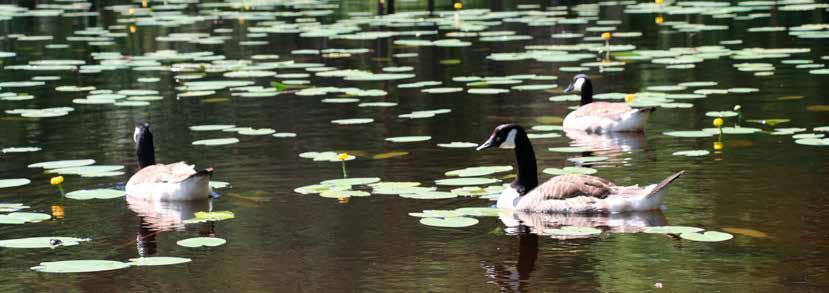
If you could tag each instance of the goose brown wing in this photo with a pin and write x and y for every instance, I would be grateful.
(170, 173)
(613, 111)
(569, 186)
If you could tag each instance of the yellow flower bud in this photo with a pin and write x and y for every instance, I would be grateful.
(56, 180)
(458, 5)
(659, 1)
(629, 98)
(144, 3)
(718, 122)
(717, 145)
(342, 156)
(606, 36)
(659, 20)
(133, 29)
(131, 11)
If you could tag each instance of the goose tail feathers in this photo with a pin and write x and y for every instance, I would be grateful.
(202, 173)
(664, 184)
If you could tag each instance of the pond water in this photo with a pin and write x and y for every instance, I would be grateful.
(764, 188)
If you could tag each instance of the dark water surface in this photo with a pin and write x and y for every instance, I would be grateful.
(287, 242)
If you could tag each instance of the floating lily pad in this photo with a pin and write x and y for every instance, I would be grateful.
(721, 114)
(62, 164)
(690, 133)
(210, 127)
(254, 131)
(543, 135)
(408, 138)
(20, 149)
(216, 141)
(570, 171)
(451, 222)
(479, 211)
(437, 214)
(344, 193)
(87, 170)
(708, 236)
(573, 231)
(353, 121)
(201, 217)
(466, 181)
(456, 144)
(692, 153)
(478, 191)
(201, 242)
(80, 266)
(398, 190)
(5, 183)
(429, 195)
(41, 242)
(672, 229)
(22, 217)
(592, 159)
(806, 141)
(12, 207)
(478, 171)
(101, 193)
(318, 188)
(158, 261)
(351, 181)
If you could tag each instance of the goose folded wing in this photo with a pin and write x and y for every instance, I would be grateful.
(613, 111)
(170, 173)
(569, 186)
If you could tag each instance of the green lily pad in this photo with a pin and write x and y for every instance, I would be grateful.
(573, 231)
(457, 144)
(201, 217)
(570, 149)
(442, 90)
(429, 195)
(12, 207)
(201, 242)
(570, 171)
(721, 114)
(318, 188)
(692, 153)
(451, 222)
(813, 141)
(41, 242)
(733, 130)
(708, 236)
(21, 218)
(344, 193)
(255, 131)
(437, 214)
(80, 266)
(4, 183)
(351, 181)
(101, 193)
(479, 211)
(20, 149)
(158, 261)
(210, 127)
(402, 190)
(672, 229)
(689, 133)
(592, 159)
(547, 128)
(543, 135)
(478, 191)
(218, 184)
(216, 141)
(408, 138)
(466, 181)
(353, 121)
(62, 164)
(86, 170)
(478, 171)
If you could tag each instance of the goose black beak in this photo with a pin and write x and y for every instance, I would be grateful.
(489, 143)
(569, 88)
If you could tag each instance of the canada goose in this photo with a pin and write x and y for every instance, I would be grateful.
(566, 193)
(159, 182)
(599, 117)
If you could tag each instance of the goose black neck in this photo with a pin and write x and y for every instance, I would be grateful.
(527, 178)
(586, 92)
(145, 150)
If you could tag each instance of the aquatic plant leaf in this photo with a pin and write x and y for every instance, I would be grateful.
(451, 222)
(5, 183)
(210, 127)
(437, 214)
(389, 155)
(80, 266)
(457, 144)
(591, 159)
(344, 193)
(41, 242)
(353, 121)
(23, 217)
(689, 133)
(201, 217)
(216, 141)
(466, 181)
(478, 171)
(429, 195)
(672, 229)
(813, 141)
(158, 261)
(746, 232)
(708, 236)
(351, 181)
(479, 211)
(20, 149)
(408, 138)
(101, 193)
(62, 164)
(201, 242)
(12, 207)
(691, 153)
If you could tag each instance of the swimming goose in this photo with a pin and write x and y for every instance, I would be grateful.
(599, 117)
(566, 193)
(159, 182)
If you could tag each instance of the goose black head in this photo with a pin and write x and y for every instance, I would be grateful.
(145, 149)
(502, 137)
(581, 83)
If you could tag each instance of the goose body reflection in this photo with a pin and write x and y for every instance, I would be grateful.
(609, 144)
(162, 216)
(567, 193)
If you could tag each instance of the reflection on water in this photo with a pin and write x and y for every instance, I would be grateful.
(156, 217)
(616, 146)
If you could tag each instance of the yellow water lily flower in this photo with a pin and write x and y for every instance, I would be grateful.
(629, 98)
(659, 20)
(606, 36)
(342, 156)
(659, 1)
(56, 180)
(718, 122)
(458, 5)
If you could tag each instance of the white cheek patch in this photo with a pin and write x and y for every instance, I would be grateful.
(509, 143)
(135, 135)
(577, 85)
